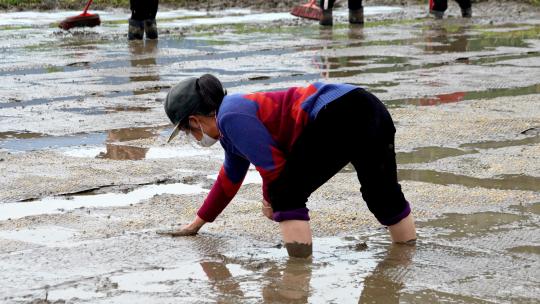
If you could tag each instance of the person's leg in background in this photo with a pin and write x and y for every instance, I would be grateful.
(143, 19)
(150, 26)
(437, 8)
(356, 12)
(466, 8)
(326, 6)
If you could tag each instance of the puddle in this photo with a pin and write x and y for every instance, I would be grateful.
(526, 249)
(428, 154)
(53, 205)
(420, 155)
(461, 39)
(108, 110)
(265, 274)
(46, 236)
(47, 142)
(503, 144)
(476, 224)
(503, 182)
(533, 208)
(460, 96)
(23, 141)
(19, 135)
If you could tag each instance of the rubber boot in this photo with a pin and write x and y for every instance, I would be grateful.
(150, 28)
(326, 18)
(436, 14)
(356, 16)
(136, 30)
(466, 13)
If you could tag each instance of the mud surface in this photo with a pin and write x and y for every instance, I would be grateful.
(87, 177)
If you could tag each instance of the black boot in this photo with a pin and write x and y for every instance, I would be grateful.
(326, 18)
(356, 16)
(466, 13)
(136, 29)
(150, 28)
(436, 14)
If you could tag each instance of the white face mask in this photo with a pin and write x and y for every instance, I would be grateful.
(206, 141)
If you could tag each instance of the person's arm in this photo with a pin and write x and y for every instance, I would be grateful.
(228, 182)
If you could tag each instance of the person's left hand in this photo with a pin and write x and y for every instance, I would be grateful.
(267, 210)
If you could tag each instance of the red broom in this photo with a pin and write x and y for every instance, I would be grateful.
(309, 10)
(82, 20)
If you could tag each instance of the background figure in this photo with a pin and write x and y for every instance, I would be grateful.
(438, 7)
(356, 11)
(143, 19)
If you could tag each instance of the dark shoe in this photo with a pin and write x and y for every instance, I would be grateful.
(356, 16)
(436, 14)
(136, 30)
(466, 13)
(150, 28)
(326, 18)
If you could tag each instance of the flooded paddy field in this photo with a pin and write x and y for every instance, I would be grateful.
(87, 176)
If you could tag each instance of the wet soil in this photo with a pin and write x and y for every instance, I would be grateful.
(87, 177)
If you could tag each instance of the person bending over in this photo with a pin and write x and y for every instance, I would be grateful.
(297, 139)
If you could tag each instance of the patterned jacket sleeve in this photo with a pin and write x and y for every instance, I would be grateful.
(228, 182)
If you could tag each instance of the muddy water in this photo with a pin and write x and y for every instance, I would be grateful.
(87, 103)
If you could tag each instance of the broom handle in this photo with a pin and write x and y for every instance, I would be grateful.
(87, 6)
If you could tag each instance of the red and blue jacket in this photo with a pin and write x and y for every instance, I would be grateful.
(260, 129)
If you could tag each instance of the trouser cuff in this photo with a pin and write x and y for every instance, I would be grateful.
(296, 214)
(396, 219)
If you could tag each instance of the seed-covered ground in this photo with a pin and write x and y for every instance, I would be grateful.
(87, 176)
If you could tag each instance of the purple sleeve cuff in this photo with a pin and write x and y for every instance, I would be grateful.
(296, 214)
(396, 219)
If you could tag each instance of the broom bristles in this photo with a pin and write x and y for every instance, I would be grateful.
(89, 20)
(309, 10)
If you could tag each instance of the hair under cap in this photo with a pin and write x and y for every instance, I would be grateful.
(181, 102)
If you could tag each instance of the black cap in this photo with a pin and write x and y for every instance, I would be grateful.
(181, 102)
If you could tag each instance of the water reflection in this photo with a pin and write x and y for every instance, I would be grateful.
(503, 182)
(330, 65)
(126, 152)
(290, 284)
(143, 60)
(221, 279)
(459, 96)
(321, 61)
(442, 38)
(334, 274)
(387, 280)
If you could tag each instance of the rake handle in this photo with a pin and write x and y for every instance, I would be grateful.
(87, 6)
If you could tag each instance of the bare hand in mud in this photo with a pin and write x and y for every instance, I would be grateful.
(267, 210)
(185, 230)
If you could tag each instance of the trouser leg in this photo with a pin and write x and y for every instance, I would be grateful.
(355, 4)
(143, 19)
(464, 4)
(377, 170)
(439, 5)
(143, 9)
(356, 128)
